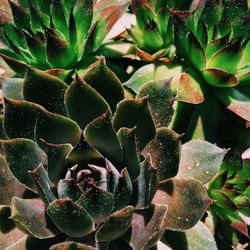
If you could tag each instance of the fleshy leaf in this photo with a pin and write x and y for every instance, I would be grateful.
(57, 154)
(189, 90)
(23, 155)
(9, 185)
(118, 223)
(98, 203)
(200, 160)
(35, 89)
(105, 82)
(43, 184)
(12, 88)
(139, 116)
(30, 216)
(147, 227)
(220, 78)
(198, 237)
(123, 192)
(160, 100)
(148, 73)
(79, 98)
(83, 154)
(147, 184)
(100, 135)
(70, 218)
(227, 58)
(165, 153)
(187, 201)
(67, 188)
(236, 100)
(70, 245)
(130, 154)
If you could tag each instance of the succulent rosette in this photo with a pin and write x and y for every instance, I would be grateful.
(56, 35)
(230, 191)
(83, 167)
(209, 64)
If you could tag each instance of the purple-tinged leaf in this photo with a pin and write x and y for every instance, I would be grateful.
(30, 216)
(118, 223)
(69, 245)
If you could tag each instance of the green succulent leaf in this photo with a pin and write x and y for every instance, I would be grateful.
(98, 203)
(147, 184)
(139, 116)
(147, 227)
(197, 238)
(57, 154)
(200, 160)
(83, 154)
(43, 184)
(148, 73)
(9, 185)
(105, 82)
(236, 100)
(189, 90)
(79, 97)
(67, 188)
(130, 153)
(100, 135)
(83, 11)
(70, 245)
(187, 201)
(65, 213)
(220, 78)
(113, 176)
(227, 58)
(160, 100)
(59, 52)
(165, 153)
(30, 216)
(23, 155)
(35, 89)
(123, 192)
(12, 88)
(118, 223)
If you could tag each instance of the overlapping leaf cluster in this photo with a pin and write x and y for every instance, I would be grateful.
(205, 46)
(96, 164)
(56, 34)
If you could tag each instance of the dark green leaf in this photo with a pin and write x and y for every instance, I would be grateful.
(9, 185)
(30, 216)
(35, 89)
(68, 189)
(23, 155)
(98, 203)
(43, 184)
(147, 184)
(160, 101)
(130, 153)
(165, 153)
(70, 218)
(118, 223)
(123, 192)
(83, 103)
(105, 82)
(135, 113)
(100, 135)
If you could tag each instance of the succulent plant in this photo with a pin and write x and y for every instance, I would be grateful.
(83, 167)
(230, 191)
(56, 34)
(208, 56)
